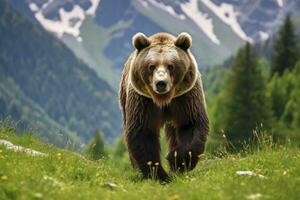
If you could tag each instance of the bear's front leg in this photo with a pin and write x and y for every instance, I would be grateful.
(142, 136)
(188, 132)
(185, 152)
(144, 151)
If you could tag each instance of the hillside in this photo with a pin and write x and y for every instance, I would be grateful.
(62, 174)
(45, 86)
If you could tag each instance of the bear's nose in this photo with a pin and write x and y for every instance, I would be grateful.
(161, 86)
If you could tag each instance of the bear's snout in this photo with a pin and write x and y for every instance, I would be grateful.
(161, 86)
(161, 80)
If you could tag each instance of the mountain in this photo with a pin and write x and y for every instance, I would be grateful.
(100, 32)
(44, 85)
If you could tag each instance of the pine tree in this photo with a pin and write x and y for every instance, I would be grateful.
(291, 114)
(96, 149)
(245, 101)
(285, 96)
(280, 89)
(120, 148)
(285, 52)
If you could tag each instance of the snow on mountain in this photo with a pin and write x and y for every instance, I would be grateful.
(280, 3)
(227, 14)
(190, 8)
(63, 26)
(201, 19)
(33, 7)
(263, 35)
(166, 8)
(93, 7)
(68, 21)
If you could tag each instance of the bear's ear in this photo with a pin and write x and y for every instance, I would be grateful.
(140, 41)
(183, 41)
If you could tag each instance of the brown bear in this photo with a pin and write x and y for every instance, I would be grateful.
(161, 86)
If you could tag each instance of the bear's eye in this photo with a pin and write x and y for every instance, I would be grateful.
(151, 67)
(170, 67)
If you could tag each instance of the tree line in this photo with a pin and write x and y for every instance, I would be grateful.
(257, 99)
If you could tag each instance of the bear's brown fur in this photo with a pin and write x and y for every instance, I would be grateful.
(180, 107)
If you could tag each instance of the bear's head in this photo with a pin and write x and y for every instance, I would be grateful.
(163, 67)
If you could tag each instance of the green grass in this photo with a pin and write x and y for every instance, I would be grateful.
(66, 175)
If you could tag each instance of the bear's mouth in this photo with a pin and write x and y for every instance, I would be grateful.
(162, 99)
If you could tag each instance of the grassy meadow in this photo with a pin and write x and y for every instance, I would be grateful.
(269, 172)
